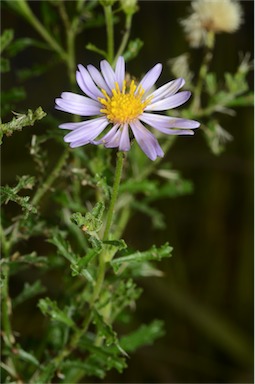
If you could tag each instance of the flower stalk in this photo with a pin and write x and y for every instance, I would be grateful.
(109, 32)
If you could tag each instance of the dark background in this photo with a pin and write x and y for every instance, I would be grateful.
(206, 294)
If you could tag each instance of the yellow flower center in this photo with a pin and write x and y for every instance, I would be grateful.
(123, 107)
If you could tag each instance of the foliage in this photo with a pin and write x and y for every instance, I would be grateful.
(83, 238)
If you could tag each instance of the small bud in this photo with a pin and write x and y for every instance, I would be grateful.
(129, 6)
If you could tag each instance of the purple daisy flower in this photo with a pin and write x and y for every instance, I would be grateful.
(115, 104)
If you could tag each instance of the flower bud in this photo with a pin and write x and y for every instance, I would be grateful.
(129, 6)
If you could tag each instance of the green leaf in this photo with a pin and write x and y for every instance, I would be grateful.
(123, 294)
(133, 49)
(145, 269)
(50, 308)
(172, 188)
(4, 65)
(144, 335)
(37, 70)
(94, 48)
(25, 356)
(49, 16)
(216, 137)
(79, 267)
(139, 257)
(46, 374)
(92, 221)
(19, 45)
(31, 259)
(118, 244)
(236, 84)
(63, 246)
(90, 367)
(11, 194)
(242, 101)
(211, 83)
(5, 39)
(147, 187)
(29, 291)
(104, 357)
(106, 331)
(20, 121)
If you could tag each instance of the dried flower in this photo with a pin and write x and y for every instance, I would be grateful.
(119, 105)
(211, 16)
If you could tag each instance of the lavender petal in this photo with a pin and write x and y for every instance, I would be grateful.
(124, 144)
(160, 121)
(146, 140)
(167, 90)
(86, 84)
(150, 77)
(170, 102)
(88, 131)
(108, 137)
(120, 71)
(108, 74)
(98, 78)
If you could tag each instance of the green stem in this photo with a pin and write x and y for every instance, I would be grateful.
(115, 189)
(102, 261)
(52, 177)
(125, 38)
(202, 73)
(29, 15)
(109, 32)
(6, 307)
(101, 272)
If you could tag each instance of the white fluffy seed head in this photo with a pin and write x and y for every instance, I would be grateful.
(211, 16)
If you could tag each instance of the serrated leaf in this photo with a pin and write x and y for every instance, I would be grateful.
(63, 247)
(138, 257)
(84, 261)
(106, 331)
(118, 244)
(123, 294)
(29, 291)
(21, 120)
(51, 309)
(104, 357)
(11, 194)
(30, 258)
(92, 221)
(146, 334)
